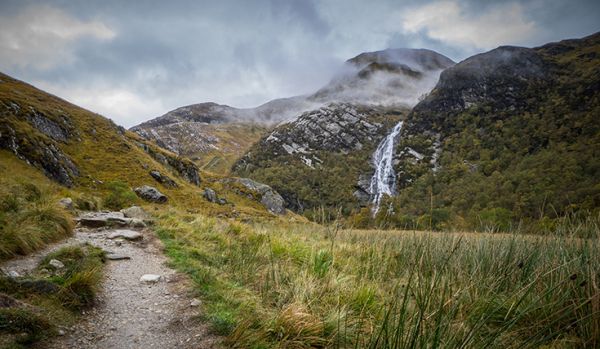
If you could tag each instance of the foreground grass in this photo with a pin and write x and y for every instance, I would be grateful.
(30, 218)
(306, 286)
(33, 307)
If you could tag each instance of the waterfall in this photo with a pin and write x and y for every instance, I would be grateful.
(384, 178)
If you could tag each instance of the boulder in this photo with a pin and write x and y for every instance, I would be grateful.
(210, 195)
(126, 234)
(268, 197)
(151, 194)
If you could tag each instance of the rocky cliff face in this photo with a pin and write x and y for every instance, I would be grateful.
(318, 157)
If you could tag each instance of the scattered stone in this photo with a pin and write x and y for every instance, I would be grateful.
(66, 203)
(195, 302)
(137, 223)
(116, 257)
(61, 332)
(13, 274)
(150, 278)
(210, 195)
(130, 235)
(135, 212)
(151, 194)
(222, 201)
(56, 264)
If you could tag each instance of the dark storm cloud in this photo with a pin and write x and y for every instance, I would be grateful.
(136, 60)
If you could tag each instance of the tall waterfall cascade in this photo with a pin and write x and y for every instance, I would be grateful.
(383, 181)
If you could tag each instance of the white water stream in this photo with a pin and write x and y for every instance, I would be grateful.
(383, 181)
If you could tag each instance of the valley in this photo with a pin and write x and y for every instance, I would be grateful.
(410, 202)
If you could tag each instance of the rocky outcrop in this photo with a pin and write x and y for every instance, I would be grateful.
(42, 154)
(151, 194)
(185, 168)
(59, 131)
(268, 197)
(163, 179)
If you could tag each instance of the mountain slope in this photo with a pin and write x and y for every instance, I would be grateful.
(394, 78)
(85, 152)
(512, 131)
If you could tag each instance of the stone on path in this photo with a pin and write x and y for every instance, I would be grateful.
(126, 234)
(135, 212)
(116, 257)
(150, 278)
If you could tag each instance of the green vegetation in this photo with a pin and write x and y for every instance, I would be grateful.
(30, 218)
(299, 286)
(119, 196)
(33, 308)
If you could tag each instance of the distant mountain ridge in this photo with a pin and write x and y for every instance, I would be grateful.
(393, 78)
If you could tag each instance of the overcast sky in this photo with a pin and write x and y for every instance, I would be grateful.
(135, 60)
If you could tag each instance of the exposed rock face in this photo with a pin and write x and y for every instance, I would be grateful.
(42, 154)
(163, 179)
(185, 168)
(151, 194)
(267, 196)
(340, 128)
(327, 148)
(57, 131)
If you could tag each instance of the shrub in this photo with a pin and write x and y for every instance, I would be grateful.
(119, 196)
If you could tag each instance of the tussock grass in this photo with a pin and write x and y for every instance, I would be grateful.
(43, 302)
(306, 286)
(30, 218)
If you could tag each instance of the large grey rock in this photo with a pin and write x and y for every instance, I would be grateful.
(268, 197)
(151, 194)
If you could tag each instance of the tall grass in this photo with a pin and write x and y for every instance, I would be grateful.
(308, 286)
(30, 218)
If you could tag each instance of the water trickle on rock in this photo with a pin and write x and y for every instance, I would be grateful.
(384, 178)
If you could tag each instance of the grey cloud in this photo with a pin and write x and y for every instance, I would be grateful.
(166, 54)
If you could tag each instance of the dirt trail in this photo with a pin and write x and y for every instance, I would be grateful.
(131, 313)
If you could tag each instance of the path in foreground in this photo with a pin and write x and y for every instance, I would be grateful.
(129, 313)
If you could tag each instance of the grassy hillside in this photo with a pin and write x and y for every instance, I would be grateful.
(87, 153)
(270, 285)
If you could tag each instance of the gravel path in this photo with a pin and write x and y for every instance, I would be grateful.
(131, 313)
